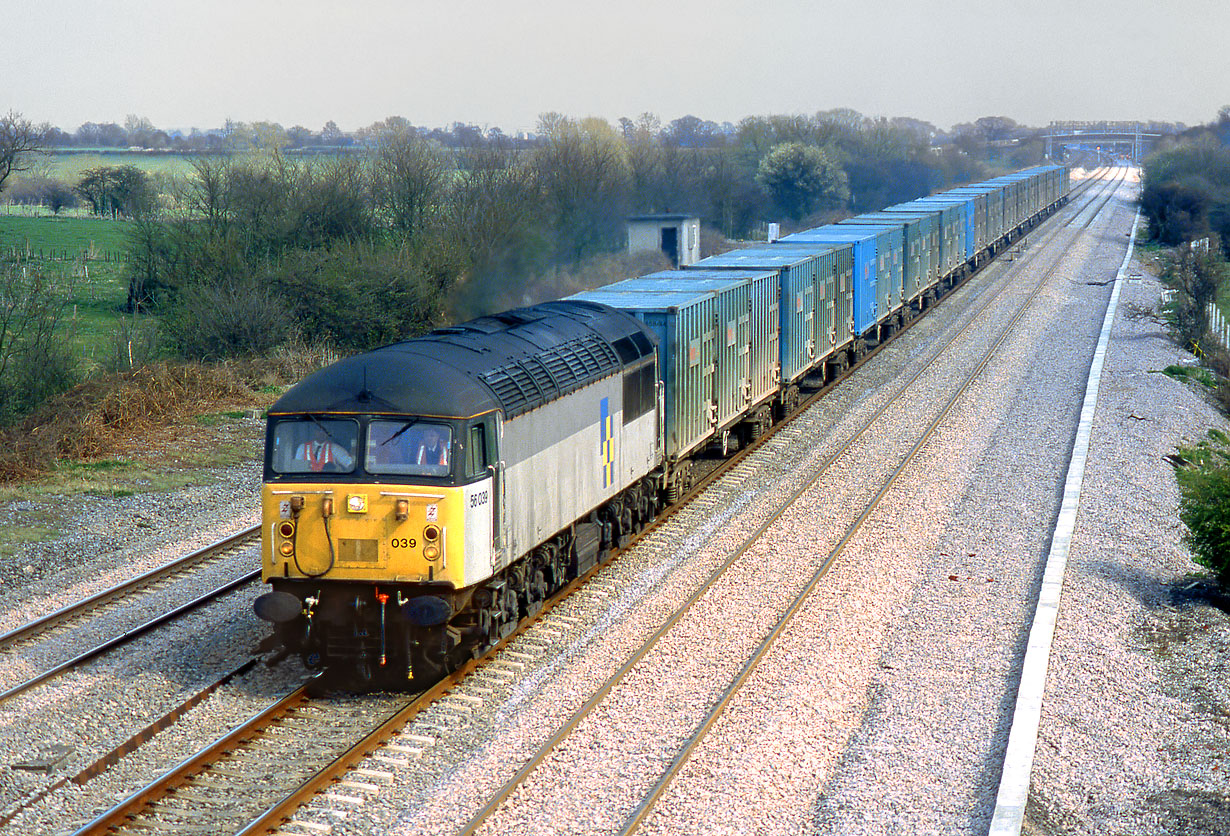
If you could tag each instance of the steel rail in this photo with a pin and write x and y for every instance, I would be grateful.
(272, 818)
(159, 787)
(274, 815)
(145, 579)
(823, 390)
(113, 757)
(129, 635)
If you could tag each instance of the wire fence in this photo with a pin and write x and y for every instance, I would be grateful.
(65, 254)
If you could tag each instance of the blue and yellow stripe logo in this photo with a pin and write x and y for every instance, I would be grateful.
(607, 448)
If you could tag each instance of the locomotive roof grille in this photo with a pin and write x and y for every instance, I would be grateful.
(529, 382)
(513, 361)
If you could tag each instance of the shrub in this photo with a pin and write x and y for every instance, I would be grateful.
(357, 297)
(103, 415)
(1204, 487)
(35, 360)
(1196, 274)
(242, 319)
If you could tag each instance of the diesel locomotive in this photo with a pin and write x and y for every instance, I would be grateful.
(421, 499)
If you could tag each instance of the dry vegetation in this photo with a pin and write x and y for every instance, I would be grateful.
(149, 414)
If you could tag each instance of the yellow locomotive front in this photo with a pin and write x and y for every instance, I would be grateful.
(376, 529)
(407, 527)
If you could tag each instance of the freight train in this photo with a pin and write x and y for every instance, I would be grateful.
(421, 499)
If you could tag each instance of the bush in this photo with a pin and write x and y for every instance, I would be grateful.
(42, 191)
(1196, 274)
(214, 322)
(134, 344)
(802, 178)
(358, 297)
(1185, 193)
(1204, 488)
(35, 360)
(103, 415)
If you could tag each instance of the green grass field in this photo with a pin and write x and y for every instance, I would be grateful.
(69, 167)
(97, 289)
(72, 234)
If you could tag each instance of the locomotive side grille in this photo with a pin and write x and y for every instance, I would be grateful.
(560, 370)
(526, 382)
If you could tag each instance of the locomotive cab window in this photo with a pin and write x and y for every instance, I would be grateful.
(476, 451)
(409, 447)
(640, 391)
(306, 445)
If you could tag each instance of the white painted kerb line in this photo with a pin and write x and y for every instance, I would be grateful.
(1023, 738)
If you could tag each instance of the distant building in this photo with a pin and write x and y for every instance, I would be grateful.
(678, 236)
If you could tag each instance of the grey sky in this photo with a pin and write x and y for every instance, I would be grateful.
(185, 64)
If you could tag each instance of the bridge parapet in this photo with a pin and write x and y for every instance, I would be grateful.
(1095, 127)
(1106, 132)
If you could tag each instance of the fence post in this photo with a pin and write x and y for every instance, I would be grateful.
(1218, 325)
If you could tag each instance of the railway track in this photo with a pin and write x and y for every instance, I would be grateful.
(144, 810)
(35, 637)
(638, 815)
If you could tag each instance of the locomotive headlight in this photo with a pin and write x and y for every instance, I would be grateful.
(287, 548)
(431, 552)
(356, 503)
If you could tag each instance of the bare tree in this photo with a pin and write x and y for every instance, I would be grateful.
(207, 195)
(996, 127)
(35, 359)
(584, 175)
(19, 139)
(409, 176)
(494, 218)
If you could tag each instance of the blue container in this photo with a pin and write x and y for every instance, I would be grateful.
(1034, 198)
(872, 283)
(890, 255)
(978, 200)
(923, 231)
(993, 209)
(916, 244)
(951, 235)
(1013, 204)
(836, 315)
(805, 290)
(969, 236)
